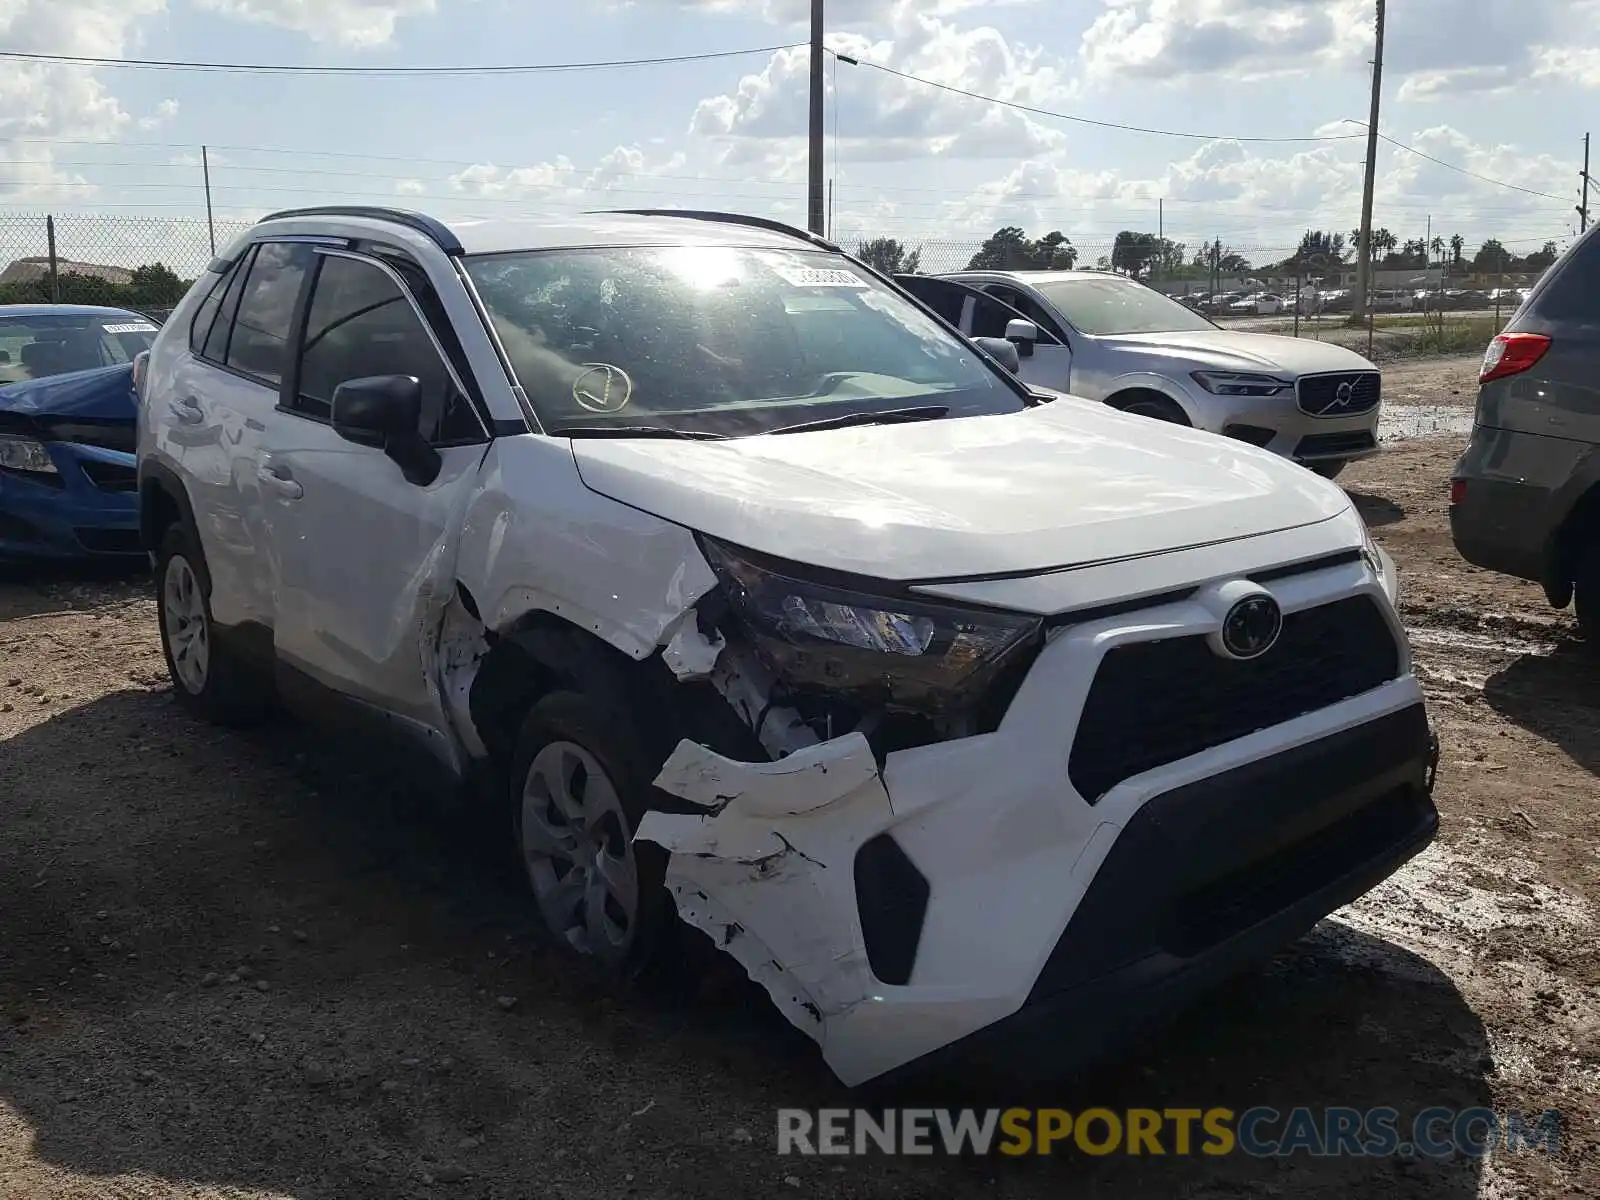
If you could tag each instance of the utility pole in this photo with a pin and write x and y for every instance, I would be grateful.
(1583, 209)
(211, 225)
(1364, 251)
(1161, 237)
(817, 203)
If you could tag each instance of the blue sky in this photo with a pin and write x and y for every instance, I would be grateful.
(1497, 88)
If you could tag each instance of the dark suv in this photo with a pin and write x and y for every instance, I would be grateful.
(1525, 497)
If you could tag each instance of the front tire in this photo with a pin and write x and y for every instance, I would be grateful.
(207, 678)
(579, 787)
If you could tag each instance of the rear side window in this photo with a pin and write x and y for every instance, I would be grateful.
(216, 344)
(206, 314)
(1573, 293)
(259, 344)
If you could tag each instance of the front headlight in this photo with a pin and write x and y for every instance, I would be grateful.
(1380, 563)
(25, 454)
(1239, 383)
(907, 654)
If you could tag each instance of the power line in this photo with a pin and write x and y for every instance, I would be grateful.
(1515, 187)
(235, 68)
(1061, 116)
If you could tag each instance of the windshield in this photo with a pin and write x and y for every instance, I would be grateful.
(36, 346)
(718, 340)
(1104, 306)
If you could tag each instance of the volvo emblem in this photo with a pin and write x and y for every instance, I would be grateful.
(1251, 627)
(1342, 397)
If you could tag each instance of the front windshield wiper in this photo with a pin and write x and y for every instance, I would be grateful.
(578, 431)
(922, 412)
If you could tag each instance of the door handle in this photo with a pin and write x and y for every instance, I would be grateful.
(186, 410)
(283, 485)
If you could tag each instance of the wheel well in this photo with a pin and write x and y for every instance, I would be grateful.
(1579, 532)
(1133, 395)
(542, 652)
(157, 510)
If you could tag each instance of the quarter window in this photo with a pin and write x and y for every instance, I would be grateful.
(216, 344)
(205, 316)
(361, 323)
(260, 339)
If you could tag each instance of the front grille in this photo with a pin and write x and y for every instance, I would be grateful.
(109, 541)
(1153, 703)
(1315, 445)
(1345, 394)
(108, 435)
(111, 477)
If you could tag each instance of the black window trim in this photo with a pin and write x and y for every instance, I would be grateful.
(219, 290)
(290, 392)
(1057, 338)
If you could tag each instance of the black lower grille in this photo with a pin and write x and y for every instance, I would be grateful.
(111, 477)
(1256, 435)
(1318, 444)
(1154, 703)
(892, 896)
(1345, 394)
(109, 434)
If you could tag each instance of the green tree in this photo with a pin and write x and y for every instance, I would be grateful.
(1010, 249)
(1541, 259)
(1135, 253)
(1492, 256)
(1458, 245)
(889, 256)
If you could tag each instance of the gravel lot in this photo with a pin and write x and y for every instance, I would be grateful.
(267, 965)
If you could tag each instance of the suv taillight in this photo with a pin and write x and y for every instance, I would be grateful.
(1512, 354)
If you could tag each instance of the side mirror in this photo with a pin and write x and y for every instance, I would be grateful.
(1005, 352)
(385, 412)
(1022, 335)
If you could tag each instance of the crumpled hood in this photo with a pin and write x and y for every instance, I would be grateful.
(1059, 485)
(105, 393)
(1231, 350)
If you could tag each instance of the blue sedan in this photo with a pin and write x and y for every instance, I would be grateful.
(67, 483)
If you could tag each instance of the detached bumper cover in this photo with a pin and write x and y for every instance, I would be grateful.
(1214, 876)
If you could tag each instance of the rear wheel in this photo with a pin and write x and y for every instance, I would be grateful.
(207, 678)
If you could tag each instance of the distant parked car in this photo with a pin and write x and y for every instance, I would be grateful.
(1525, 496)
(67, 481)
(1106, 337)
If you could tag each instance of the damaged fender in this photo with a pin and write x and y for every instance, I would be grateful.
(768, 871)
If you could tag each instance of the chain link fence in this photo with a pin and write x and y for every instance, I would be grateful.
(146, 264)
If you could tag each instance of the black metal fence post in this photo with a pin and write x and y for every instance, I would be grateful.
(55, 274)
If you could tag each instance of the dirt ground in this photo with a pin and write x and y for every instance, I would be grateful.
(268, 965)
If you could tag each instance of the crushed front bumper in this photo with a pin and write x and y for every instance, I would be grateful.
(1209, 879)
(89, 509)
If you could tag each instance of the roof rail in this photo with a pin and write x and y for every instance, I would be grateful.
(430, 227)
(696, 214)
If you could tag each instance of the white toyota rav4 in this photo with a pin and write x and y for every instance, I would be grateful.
(953, 710)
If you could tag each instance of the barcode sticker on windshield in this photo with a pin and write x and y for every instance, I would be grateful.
(131, 327)
(817, 277)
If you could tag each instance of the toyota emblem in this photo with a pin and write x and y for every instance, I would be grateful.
(1251, 627)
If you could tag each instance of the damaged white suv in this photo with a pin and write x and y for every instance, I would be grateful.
(952, 710)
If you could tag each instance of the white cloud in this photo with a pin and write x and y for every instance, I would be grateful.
(1434, 48)
(163, 113)
(359, 24)
(1256, 200)
(881, 117)
(559, 184)
(42, 101)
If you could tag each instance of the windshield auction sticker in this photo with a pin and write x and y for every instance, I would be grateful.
(819, 277)
(131, 327)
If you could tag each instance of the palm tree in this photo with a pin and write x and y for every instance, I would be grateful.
(1437, 246)
(1458, 245)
